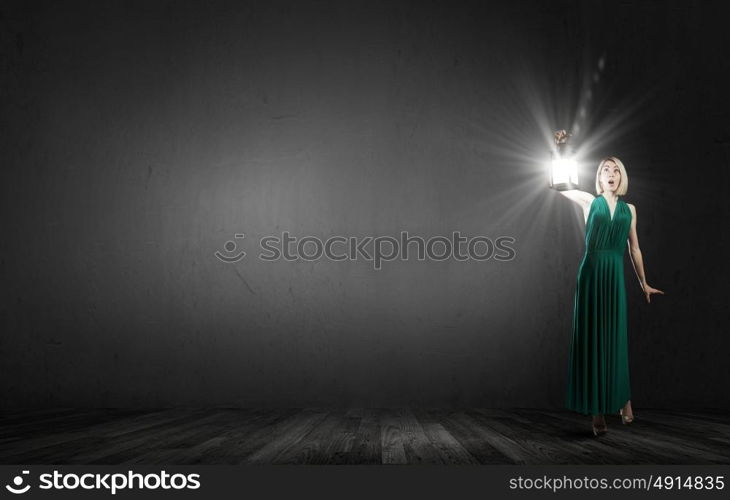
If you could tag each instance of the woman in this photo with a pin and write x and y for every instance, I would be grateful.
(598, 374)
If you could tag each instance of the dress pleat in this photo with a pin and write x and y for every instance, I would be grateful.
(598, 370)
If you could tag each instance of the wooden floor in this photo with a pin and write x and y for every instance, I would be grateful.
(358, 436)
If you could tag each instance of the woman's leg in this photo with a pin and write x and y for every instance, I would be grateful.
(599, 421)
(599, 425)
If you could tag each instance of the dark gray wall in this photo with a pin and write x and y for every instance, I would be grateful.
(138, 137)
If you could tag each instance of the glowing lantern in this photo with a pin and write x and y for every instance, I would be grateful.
(563, 172)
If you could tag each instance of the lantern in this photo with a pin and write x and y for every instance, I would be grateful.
(563, 170)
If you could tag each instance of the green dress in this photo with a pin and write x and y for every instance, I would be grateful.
(598, 370)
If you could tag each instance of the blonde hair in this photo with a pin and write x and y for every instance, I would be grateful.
(623, 186)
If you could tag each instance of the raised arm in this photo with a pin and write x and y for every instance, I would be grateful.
(582, 198)
(636, 258)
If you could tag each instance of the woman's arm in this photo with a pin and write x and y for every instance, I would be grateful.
(582, 198)
(636, 259)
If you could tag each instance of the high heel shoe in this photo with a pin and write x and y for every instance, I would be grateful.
(597, 431)
(625, 419)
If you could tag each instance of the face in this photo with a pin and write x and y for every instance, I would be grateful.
(610, 176)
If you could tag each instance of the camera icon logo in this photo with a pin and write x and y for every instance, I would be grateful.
(229, 257)
(17, 487)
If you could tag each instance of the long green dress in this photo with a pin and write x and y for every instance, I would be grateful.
(598, 372)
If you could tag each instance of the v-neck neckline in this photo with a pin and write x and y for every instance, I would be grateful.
(611, 215)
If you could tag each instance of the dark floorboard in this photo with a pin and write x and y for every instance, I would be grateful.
(358, 436)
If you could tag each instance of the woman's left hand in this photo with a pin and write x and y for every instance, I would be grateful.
(648, 291)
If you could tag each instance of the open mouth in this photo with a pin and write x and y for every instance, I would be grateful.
(610, 183)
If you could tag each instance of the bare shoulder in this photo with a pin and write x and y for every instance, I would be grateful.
(633, 210)
(580, 197)
(585, 199)
(587, 196)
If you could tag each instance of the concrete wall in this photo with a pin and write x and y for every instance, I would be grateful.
(139, 137)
